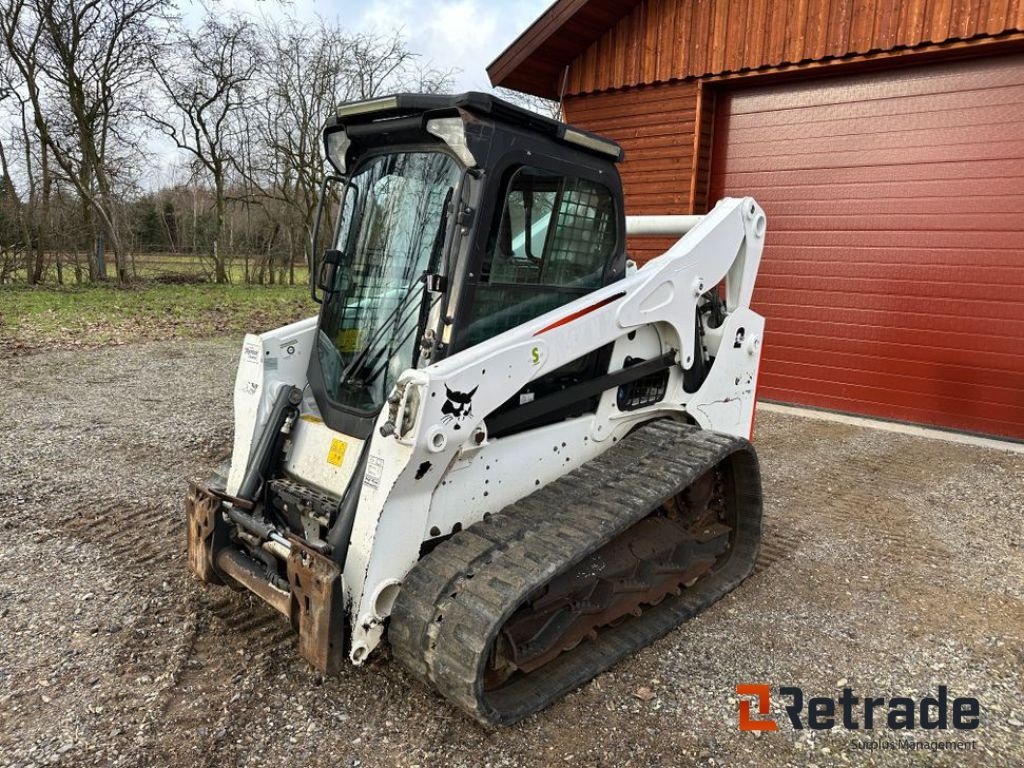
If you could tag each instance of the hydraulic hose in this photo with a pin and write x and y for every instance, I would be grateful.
(269, 443)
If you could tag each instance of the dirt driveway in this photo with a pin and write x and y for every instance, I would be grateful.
(892, 564)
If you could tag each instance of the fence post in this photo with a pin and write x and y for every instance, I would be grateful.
(101, 264)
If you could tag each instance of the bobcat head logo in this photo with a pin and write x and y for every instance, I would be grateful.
(458, 406)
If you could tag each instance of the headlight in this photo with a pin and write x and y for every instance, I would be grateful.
(338, 143)
(452, 131)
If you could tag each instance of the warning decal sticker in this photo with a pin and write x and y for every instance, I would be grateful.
(336, 455)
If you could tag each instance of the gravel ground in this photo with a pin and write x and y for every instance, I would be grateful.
(891, 564)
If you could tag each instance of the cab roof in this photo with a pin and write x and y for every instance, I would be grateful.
(482, 104)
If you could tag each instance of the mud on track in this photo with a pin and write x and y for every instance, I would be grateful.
(891, 562)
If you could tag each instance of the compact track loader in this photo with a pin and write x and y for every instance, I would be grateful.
(500, 445)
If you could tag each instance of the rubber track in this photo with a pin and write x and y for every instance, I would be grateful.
(456, 599)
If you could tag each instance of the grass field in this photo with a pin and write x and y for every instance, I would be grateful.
(166, 267)
(162, 265)
(41, 318)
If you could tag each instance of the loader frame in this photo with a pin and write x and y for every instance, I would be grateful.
(429, 473)
(330, 504)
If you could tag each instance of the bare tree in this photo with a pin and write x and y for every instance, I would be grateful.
(372, 63)
(12, 219)
(85, 64)
(82, 83)
(19, 88)
(305, 75)
(14, 234)
(205, 76)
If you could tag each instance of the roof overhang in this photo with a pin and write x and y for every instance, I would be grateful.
(535, 62)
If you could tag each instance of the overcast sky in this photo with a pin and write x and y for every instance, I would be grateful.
(452, 34)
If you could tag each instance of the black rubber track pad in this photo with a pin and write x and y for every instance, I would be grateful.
(456, 599)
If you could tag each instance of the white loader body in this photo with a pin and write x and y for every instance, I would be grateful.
(431, 470)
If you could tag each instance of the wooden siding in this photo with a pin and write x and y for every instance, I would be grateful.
(893, 279)
(656, 126)
(703, 142)
(663, 40)
(535, 62)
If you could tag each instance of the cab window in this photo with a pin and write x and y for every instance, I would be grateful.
(553, 240)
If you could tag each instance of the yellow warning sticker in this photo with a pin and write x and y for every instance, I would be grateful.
(336, 455)
(312, 419)
(347, 339)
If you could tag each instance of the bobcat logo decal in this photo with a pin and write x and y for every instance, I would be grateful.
(458, 406)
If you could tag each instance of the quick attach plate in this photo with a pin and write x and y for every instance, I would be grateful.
(207, 532)
(318, 610)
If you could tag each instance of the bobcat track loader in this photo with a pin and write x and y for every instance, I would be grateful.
(500, 445)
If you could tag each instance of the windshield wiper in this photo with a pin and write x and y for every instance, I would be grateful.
(384, 349)
(442, 229)
(380, 369)
(352, 367)
(395, 322)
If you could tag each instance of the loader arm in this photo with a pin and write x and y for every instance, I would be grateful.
(437, 416)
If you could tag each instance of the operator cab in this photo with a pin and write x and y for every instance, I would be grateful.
(459, 217)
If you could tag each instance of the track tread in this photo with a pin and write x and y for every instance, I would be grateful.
(455, 600)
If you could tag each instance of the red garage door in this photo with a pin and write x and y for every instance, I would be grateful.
(893, 277)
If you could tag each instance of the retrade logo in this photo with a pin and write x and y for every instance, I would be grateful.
(852, 712)
(763, 696)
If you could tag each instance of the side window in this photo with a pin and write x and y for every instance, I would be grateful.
(552, 242)
(555, 230)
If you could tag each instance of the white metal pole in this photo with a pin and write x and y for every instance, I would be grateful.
(642, 226)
